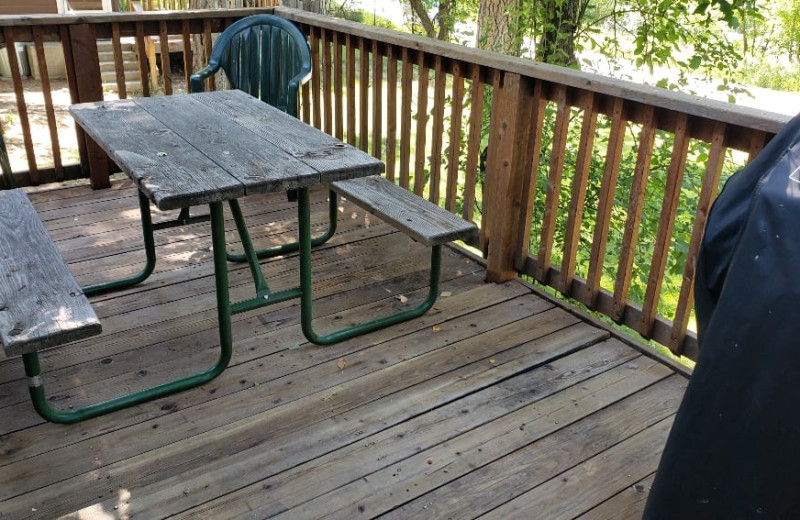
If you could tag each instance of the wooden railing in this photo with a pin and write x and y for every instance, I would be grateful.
(596, 187)
(77, 37)
(577, 166)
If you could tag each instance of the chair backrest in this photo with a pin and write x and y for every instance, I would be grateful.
(5, 165)
(266, 56)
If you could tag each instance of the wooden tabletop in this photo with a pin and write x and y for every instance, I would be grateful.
(190, 149)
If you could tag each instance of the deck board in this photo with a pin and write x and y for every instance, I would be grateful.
(496, 403)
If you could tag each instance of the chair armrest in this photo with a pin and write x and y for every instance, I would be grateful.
(196, 79)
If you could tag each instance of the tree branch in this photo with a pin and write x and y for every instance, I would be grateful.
(425, 20)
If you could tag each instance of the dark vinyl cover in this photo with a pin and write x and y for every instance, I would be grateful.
(734, 448)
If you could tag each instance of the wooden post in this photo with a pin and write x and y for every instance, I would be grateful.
(87, 86)
(508, 174)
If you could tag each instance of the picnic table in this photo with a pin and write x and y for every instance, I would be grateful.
(196, 150)
(181, 151)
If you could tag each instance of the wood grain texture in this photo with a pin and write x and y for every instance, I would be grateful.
(41, 304)
(284, 430)
(332, 159)
(164, 166)
(188, 150)
(422, 220)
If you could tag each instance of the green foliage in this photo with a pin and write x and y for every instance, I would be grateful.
(348, 12)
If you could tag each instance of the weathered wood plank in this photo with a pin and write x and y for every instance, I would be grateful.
(259, 164)
(627, 505)
(574, 492)
(333, 403)
(495, 484)
(158, 160)
(243, 422)
(422, 220)
(391, 446)
(41, 304)
(331, 159)
(329, 417)
(388, 488)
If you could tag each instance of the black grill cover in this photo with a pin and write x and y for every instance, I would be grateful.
(734, 448)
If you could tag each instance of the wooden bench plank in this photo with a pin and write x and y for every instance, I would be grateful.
(422, 220)
(41, 304)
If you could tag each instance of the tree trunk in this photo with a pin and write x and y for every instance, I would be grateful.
(314, 6)
(499, 26)
(441, 25)
(561, 20)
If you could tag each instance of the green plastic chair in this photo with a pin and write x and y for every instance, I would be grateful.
(5, 165)
(264, 55)
(269, 58)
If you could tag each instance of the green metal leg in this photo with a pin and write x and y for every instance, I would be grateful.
(249, 251)
(149, 249)
(33, 370)
(294, 246)
(183, 219)
(306, 298)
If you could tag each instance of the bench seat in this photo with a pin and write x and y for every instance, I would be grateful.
(41, 303)
(420, 219)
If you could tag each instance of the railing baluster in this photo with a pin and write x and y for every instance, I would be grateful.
(454, 152)
(708, 192)
(635, 206)
(338, 89)
(166, 69)
(22, 107)
(351, 90)
(422, 124)
(405, 120)
(119, 66)
(669, 210)
(207, 41)
(440, 82)
(188, 54)
(144, 76)
(538, 101)
(473, 142)
(315, 79)
(377, 101)
(363, 95)
(589, 106)
(48, 103)
(391, 113)
(552, 197)
(605, 204)
(326, 81)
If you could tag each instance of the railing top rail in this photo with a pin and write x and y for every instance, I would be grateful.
(143, 16)
(677, 101)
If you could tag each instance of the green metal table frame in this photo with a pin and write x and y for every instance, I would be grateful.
(225, 308)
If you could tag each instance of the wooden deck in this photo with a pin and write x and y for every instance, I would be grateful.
(496, 404)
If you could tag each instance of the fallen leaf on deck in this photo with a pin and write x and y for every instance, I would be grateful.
(492, 361)
(341, 364)
(296, 346)
(436, 328)
(445, 294)
(402, 298)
